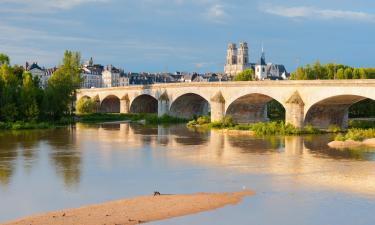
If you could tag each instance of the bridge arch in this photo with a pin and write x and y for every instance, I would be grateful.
(332, 110)
(250, 108)
(110, 104)
(189, 105)
(144, 103)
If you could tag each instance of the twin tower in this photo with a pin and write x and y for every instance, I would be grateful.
(237, 59)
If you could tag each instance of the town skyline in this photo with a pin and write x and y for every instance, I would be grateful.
(155, 36)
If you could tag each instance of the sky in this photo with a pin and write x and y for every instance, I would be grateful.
(188, 35)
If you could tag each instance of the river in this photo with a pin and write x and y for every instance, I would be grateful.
(297, 180)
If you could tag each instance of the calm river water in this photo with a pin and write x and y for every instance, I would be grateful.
(298, 180)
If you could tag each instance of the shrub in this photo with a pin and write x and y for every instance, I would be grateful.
(334, 129)
(85, 105)
(203, 120)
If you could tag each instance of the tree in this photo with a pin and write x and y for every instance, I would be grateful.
(85, 105)
(362, 73)
(28, 99)
(340, 74)
(356, 74)
(61, 86)
(8, 95)
(348, 73)
(4, 59)
(245, 75)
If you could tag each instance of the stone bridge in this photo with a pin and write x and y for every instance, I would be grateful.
(319, 102)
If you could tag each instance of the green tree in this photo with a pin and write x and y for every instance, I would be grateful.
(61, 86)
(8, 98)
(340, 74)
(245, 75)
(348, 73)
(362, 73)
(4, 59)
(85, 105)
(356, 74)
(28, 99)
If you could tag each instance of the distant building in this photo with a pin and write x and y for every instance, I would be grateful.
(111, 76)
(42, 74)
(237, 60)
(91, 75)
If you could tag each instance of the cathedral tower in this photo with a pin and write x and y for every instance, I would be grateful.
(243, 54)
(232, 54)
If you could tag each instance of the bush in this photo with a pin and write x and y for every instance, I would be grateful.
(85, 105)
(203, 120)
(334, 129)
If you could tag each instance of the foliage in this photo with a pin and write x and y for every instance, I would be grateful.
(275, 110)
(356, 134)
(4, 59)
(334, 129)
(363, 124)
(61, 87)
(331, 71)
(364, 108)
(85, 105)
(245, 75)
(24, 105)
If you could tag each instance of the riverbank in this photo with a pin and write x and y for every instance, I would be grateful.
(137, 210)
(137, 117)
(26, 125)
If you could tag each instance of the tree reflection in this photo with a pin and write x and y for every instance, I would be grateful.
(65, 156)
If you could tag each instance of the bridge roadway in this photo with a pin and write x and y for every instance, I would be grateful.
(318, 102)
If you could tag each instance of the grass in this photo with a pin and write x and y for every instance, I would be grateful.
(19, 125)
(356, 134)
(261, 128)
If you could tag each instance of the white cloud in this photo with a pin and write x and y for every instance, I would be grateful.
(216, 13)
(317, 13)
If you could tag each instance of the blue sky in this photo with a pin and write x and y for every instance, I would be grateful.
(188, 35)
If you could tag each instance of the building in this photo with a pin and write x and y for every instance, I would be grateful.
(91, 75)
(42, 74)
(237, 60)
(111, 76)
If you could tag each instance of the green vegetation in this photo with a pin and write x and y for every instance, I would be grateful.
(24, 105)
(148, 118)
(331, 71)
(363, 124)
(261, 128)
(245, 75)
(85, 105)
(25, 125)
(356, 134)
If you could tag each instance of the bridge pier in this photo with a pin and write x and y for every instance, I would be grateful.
(294, 111)
(125, 104)
(217, 107)
(163, 105)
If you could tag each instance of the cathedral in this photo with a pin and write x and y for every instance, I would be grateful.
(238, 61)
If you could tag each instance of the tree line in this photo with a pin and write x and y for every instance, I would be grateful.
(331, 71)
(22, 98)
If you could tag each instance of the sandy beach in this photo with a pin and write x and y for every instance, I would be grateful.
(352, 144)
(136, 210)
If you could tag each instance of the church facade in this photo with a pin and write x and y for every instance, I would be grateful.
(238, 60)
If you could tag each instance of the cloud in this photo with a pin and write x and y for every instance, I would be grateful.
(317, 13)
(217, 13)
